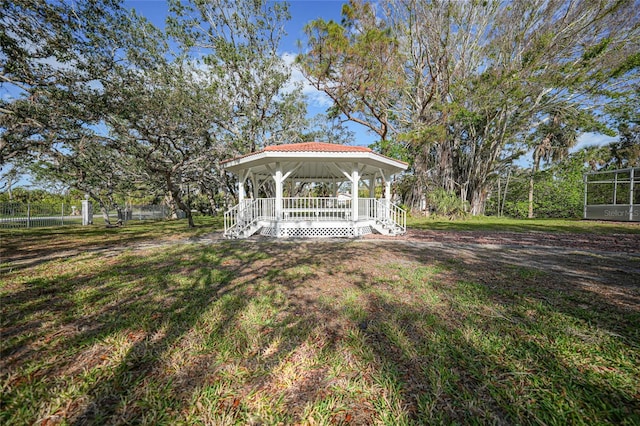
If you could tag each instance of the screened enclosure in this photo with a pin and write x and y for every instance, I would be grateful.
(612, 195)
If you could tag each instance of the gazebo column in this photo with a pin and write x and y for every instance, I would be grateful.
(372, 186)
(242, 180)
(279, 177)
(255, 185)
(240, 192)
(279, 181)
(387, 191)
(386, 177)
(355, 179)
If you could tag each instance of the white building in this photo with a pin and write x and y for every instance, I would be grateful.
(316, 163)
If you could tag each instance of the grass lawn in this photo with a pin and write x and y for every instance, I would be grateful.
(307, 332)
(491, 223)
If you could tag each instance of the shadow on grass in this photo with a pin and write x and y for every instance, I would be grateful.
(24, 248)
(496, 224)
(599, 290)
(243, 332)
(454, 370)
(143, 306)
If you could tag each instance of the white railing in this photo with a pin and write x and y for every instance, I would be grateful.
(397, 216)
(231, 220)
(327, 208)
(369, 208)
(249, 212)
(261, 209)
(382, 211)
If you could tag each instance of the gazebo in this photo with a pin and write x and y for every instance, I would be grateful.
(331, 165)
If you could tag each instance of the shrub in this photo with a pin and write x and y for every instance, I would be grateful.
(447, 203)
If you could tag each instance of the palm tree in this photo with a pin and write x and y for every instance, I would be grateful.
(596, 156)
(557, 137)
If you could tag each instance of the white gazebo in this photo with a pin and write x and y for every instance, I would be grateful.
(315, 163)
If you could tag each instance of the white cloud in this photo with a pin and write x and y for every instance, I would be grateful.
(588, 139)
(315, 97)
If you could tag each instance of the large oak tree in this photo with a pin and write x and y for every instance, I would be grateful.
(471, 80)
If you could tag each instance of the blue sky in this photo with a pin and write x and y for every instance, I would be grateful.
(302, 12)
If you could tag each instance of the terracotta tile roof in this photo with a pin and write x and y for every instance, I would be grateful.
(316, 147)
(311, 147)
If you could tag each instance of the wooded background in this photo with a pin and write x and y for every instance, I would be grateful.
(98, 99)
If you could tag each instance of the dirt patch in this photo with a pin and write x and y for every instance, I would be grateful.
(348, 325)
(627, 243)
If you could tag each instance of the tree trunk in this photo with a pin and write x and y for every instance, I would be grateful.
(212, 204)
(173, 208)
(190, 218)
(534, 170)
(506, 189)
(478, 200)
(105, 214)
(174, 190)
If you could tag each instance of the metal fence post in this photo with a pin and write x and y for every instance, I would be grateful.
(28, 214)
(62, 215)
(631, 200)
(584, 210)
(87, 212)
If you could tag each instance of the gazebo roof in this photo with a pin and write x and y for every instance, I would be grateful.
(314, 160)
(316, 147)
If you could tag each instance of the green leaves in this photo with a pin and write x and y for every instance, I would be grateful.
(55, 55)
(596, 50)
(355, 64)
(488, 73)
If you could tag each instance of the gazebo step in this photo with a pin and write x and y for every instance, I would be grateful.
(388, 228)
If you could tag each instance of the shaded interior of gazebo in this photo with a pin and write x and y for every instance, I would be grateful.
(337, 168)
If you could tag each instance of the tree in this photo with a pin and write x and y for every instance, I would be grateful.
(474, 79)
(238, 42)
(246, 81)
(323, 129)
(64, 59)
(10, 176)
(556, 136)
(595, 157)
(626, 151)
(93, 168)
(355, 64)
(626, 112)
(53, 53)
(164, 122)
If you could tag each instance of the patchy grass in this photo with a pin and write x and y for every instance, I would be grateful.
(33, 245)
(504, 224)
(356, 332)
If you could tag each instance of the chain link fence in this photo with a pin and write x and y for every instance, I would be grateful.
(32, 215)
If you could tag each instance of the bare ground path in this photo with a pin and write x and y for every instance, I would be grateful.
(606, 264)
(546, 250)
(482, 282)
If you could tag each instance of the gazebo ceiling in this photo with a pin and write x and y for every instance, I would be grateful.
(314, 161)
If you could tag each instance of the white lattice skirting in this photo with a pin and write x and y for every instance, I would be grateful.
(316, 232)
(268, 231)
